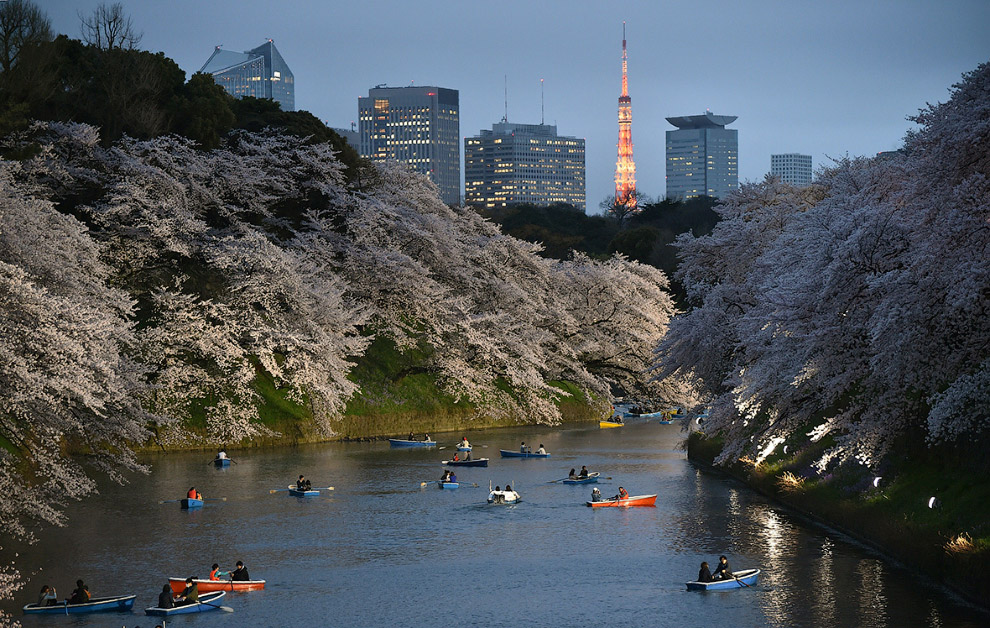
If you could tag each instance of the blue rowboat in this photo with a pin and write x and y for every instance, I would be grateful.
(221, 462)
(462, 448)
(207, 602)
(94, 605)
(297, 493)
(651, 414)
(480, 462)
(591, 479)
(398, 442)
(447, 484)
(521, 454)
(740, 580)
(190, 504)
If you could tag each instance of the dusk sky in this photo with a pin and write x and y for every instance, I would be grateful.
(822, 78)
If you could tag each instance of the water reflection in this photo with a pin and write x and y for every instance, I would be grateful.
(381, 549)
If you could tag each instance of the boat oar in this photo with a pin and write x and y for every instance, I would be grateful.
(277, 490)
(169, 501)
(225, 609)
(560, 480)
(214, 499)
(736, 578)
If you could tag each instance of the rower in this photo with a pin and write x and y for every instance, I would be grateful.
(584, 472)
(722, 571)
(302, 484)
(80, 595)
(522, 448)
(189, 595)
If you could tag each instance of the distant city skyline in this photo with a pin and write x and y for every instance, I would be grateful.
(821, 79)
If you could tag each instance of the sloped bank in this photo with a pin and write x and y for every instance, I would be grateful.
(947, 544)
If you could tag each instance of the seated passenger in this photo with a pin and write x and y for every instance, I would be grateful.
(584, 472)
(704, 575)
(541, 450)
(48, 597)
(596, 495)
(165, 598)
(240, 573)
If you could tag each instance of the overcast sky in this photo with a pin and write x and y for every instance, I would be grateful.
(821, 78)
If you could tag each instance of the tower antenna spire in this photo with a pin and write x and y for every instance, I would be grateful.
(541, 102)
(505, 86)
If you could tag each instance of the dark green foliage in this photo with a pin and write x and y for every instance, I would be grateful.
(561, 228)
(637, 243)
(204, 111)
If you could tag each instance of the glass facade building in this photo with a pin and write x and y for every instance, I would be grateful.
(523, 163)
(702, 157)
(419, 126)
(260, 72)
(792, 168)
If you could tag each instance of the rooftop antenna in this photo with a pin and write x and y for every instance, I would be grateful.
(541, 101)
(505, 78)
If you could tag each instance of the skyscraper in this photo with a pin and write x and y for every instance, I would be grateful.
(792, 168)
(702, 156)
(625, 167)
(419, 126)
(523, 163)
(260, 72)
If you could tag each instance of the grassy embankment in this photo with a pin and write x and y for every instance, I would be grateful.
(949, 543)
(396, 396)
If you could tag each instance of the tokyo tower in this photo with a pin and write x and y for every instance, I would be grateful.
(625, 167)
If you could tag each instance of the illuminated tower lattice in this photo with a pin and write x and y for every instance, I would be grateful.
(625, 167)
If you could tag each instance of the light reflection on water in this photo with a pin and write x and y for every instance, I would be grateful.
(381, 549)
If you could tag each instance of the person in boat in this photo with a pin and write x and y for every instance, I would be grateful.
(467, 456)
(412, 436)
(215, 573)
(722, 571)
(497, 488)
(302, 484)
(704, 575)
(464, 442)
(240, 573)
(221, 454)
(572, 474)
(623, 494)
(80, 595)
(47, 597)
(541, 450)
(426, 439)
(508, 489)
(165, 598)
(523, 448)
(191, 493)
(446, 476)
(456, 458)
(189, 595)
(584, 472)
(596, 495)
(452, 478)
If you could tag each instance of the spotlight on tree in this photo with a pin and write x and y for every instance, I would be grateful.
(876, 482)
(785, 448)
(934, 502)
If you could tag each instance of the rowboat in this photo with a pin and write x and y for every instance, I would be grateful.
(605, 424)
(190, 504)
(637, 500)
(740, 579)
(447, 484)
(591, 478)
(521, 454)
(94, 605)
(398, 442)
(479, 462)
(463, 448)
(221, 462)
(504, 497)
(206, 602)
(648, 415)
(206, 586)
(297, 493)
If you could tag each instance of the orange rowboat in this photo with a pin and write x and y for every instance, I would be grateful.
(636, 500)
(205, 586)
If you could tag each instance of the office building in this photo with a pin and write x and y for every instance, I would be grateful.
(523, 163)
(702, 157)
(419, 126)
(792, 168)
(260, 72)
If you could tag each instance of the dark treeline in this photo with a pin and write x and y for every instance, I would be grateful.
(645, 236)
(143, 95)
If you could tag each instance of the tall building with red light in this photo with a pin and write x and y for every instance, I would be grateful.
(625, 167)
